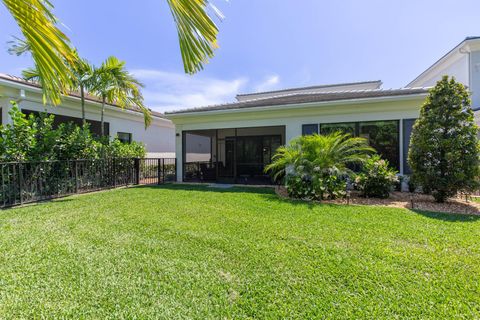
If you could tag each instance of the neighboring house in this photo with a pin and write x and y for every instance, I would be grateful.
(233, 142)
(126, 124)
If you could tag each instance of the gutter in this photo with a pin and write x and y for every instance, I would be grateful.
(295, 106)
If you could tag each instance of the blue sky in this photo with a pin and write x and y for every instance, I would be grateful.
(264, 44)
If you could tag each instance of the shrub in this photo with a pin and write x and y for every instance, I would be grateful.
(317, 167)
(27, 138)
(118, 149)
(412, 186)
(444, 145)
(376, 179)
(33, 138)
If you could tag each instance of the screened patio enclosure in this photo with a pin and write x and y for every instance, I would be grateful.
(237, 155)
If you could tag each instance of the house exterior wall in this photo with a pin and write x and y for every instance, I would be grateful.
(159, 138)
(458, 68)
(293, 117)
(475, 78)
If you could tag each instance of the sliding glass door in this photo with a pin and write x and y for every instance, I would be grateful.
(230, 155)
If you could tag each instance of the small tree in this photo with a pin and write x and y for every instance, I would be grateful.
(444, 151)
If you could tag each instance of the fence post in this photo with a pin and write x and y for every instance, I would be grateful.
(137, 171)
(163, 170)
(176, 170)
(159, 171)
(20, 182)
(76, 175)
(114, 173)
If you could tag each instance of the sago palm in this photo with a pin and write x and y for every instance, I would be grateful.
(115, 85)
(53, 54)
(317, 153)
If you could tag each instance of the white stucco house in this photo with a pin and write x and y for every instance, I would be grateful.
(127, 124)
(233, 142)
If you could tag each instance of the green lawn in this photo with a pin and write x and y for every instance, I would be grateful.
(195, 252)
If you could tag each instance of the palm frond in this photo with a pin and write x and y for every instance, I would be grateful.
(19, 47)
(197, 32)
(49, 46)
(114, 84)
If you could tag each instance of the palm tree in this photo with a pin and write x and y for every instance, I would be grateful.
(115, 85)
(82, 72)
(81, 81)
(53, 55)
(320, 153)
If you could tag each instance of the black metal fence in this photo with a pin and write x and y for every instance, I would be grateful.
(25, 182)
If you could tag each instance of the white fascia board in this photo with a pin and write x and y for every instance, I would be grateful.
(448, 59)
(297, 106)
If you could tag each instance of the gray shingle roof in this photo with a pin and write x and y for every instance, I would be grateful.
(306, 98)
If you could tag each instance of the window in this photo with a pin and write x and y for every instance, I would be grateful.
(384, 137)
(381, 135)
(95, 126)
(308, 129)
(124, 137)
(345, 127)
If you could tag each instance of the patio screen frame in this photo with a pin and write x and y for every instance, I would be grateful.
(209, 169)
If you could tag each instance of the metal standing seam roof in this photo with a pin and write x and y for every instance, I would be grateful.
(324, 86)
(90, 98)
(300, 98)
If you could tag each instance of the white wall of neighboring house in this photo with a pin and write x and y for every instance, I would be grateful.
(463, 63)
(159, 137)
(457, 67)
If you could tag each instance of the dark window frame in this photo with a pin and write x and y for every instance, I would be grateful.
(357, 132)
(95, 125)
(130, 137)
(305, 126)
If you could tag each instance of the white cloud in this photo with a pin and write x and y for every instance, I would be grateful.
(269, 83)
(166, 91)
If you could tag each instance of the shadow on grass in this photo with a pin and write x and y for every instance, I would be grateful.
(448, 217)
(210, 188)
(269, 195)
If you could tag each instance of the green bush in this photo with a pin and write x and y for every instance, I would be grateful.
(317, 167)
(33, 138)
(118, 149)
(376, 178)
(444, 151)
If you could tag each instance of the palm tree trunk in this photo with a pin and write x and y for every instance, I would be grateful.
(82, 97)
(101, 121)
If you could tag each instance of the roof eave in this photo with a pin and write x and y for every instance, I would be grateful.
(296, 105)
(34, 88)
(456, 50)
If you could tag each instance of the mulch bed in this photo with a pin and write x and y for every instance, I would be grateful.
(405, 200)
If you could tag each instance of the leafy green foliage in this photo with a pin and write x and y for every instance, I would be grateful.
(197, 33)
(444, 152)
(81, 76)
(118, 149)
(34, 139)
(316, 166)
(196, 252)
(50, 47)
(115, 85)
(376, 178)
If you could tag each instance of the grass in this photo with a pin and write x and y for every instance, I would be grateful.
(194, 252)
